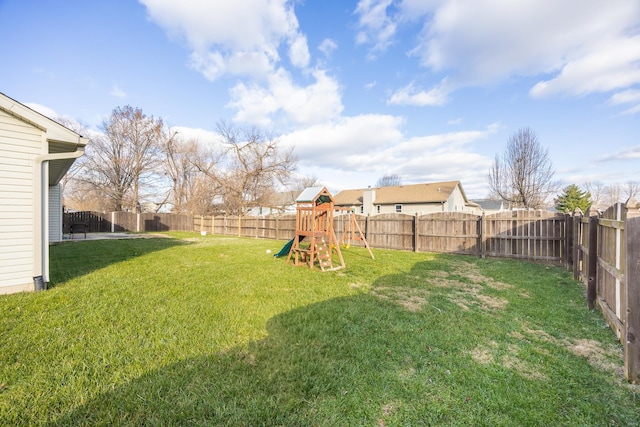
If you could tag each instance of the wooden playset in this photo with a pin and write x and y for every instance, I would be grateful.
(315, 240)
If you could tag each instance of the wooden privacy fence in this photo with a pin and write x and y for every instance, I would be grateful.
(112, 222)
(531, 235)
(607, 260)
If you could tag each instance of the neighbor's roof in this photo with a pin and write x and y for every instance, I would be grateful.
(489, 204)
(434, 192)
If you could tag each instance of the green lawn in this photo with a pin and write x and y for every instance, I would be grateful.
(213, 331)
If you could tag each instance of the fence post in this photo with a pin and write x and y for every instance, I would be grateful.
(483, 237)
(568, 242)
(366, 228)
(577, 220)
(479, 238)
(592, 263)
(416, 238)
(632, 289)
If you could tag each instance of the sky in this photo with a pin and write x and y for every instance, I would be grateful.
(430, 90)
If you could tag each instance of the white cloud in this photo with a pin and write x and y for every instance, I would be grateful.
(410, 95)
(580, 46)
(42, 109)
(327, 47)
(363, 148)
(630, 153)
(241, 37)
(299, 51)
(117, 92)
(612, 64)
(370, 85)
(203, 136)
(349, 143)
(627, 97)
(303, 105)
(376, 27)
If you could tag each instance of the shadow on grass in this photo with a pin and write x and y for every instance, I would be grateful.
(71, 260)
(359, 360)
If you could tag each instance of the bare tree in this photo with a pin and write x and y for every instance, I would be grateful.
(190, 167)
(123, 162)
(523, 176)
(597, 191)
(256, 166)
(612, 194)
(630, 190)
(299, 183)
(252, 167)
(389, 180)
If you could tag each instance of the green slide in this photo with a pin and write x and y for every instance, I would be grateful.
(285, 249)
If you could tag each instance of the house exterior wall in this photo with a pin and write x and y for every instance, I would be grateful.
(20, 143)
(368, 202)
(55, 213)
(456, 203)
(409, 208)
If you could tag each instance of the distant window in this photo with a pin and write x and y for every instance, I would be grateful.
(362, 209)
(398, 208)
(378, 208)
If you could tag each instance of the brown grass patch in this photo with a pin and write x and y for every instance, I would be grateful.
(465, 293)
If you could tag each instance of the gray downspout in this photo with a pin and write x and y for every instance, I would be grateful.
(40, 282)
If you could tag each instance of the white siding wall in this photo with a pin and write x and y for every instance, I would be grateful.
(20, 143)
(455, 201)
(411, 208)
(55, 213)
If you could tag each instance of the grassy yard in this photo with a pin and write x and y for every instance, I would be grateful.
(208, 330)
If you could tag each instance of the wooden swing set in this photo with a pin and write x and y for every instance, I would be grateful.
(315, 240)
(352, 231)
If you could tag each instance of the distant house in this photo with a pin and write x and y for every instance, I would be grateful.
(490, 206)
(408, 199)
(276, 204)
(35, 153)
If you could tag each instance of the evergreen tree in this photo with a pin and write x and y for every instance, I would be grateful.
(571, 198)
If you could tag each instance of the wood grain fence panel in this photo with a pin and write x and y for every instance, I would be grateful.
(166, 222)
(610, 266)
(125, 221)
(391, 231)
(97, 222)
(531, 235)
(286, 227)
(631, 336)
(452, 232)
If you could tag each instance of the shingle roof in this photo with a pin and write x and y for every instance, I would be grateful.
(434, 192)
(490, 205)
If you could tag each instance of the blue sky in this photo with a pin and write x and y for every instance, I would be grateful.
(426, 89)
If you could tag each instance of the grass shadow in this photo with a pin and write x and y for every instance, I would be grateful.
(69, 260)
